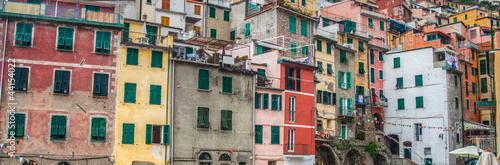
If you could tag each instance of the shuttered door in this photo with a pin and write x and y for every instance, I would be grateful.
(203, 79)
(149, 129)
(275, 135)
(258, 134)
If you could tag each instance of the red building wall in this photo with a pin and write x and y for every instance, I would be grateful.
(39, 103)
(379, 83)
(304, 111)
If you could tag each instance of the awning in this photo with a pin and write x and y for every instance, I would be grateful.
(469, 125)
(210, 42)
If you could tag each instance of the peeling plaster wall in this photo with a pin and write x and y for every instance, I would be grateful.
(345, 93)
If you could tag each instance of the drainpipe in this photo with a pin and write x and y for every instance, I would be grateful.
(253, 120)
(3, 53)
(462, 108)
(166, 113)
(172, 113)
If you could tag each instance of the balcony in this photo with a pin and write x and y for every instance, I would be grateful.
(362, 99)
(488, 16)
(60, 12)
(297, 149)
(464, 58)
(329, 32)
(254, 8)
(373, 13)
(379, 43)
(139, 39)
(467, 44)
(487, 96)
(486, 142)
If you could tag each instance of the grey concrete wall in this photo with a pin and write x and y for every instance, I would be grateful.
(223, 27)
(262, 25)
(454, 113)
(189, 141)
(344, 93)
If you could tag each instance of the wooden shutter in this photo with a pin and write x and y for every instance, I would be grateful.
(227, 84)
(325, 97)
(266, 101)
(348, 77)
(396, 62)
(258, 134)
(149, 129)
(303, 27)
(102, 128)
(97, 84)
(259, 49)
(382, 25)
(69, 39)
(247, 29)
(361, 68)
(165, 21)
(334, 99)
(206, 117)
(203, 79)
(54, 125)
(340, 79)
(275, 135)
(297, 70)
(126, 33)
(166, 134)
(256, 100)
(274, 102)
(280, 102)
(95, 127)
(349, 103)
(98, 44)
(131, 131)
(57, 81)
(20, 120)
(292, 24)
(372, 75)
(341, 103)
(229, 119)
(226, 15)
(328, 48)
(65, 81)
(165, 4)
(212, 12)
(213, 33)
(201, 113)
(223, 117)
(19, 33)
(62, 126)
(61, 38)
(104, 84)
(197, 29)
(197, 10)
(318, 45)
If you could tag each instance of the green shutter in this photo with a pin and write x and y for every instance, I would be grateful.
(349, 41)
(287, 73)
(382, 25)
(340, 79)
(372, 56)
(294, 49)
(397, 62)
(226, 15)
(320, 66)
(206, 117)
(372, 75)
(103, 40)
(420, 102)
(325, 97)
(341, 103)
(266, 101)
(23, 34)
(213, 33)
(275, 135)
(344, 130)
(274, 102)
(328, 48)
(212, 12)
(256, 100)
(132, 56)
(305, 51)
(156, 59)
(128, 133)
(130, 93)
(95, 127)
(349, 103)
(155, 94)
(484, 85)
(466, 72)
(334, 99)
(303, 27)
(149, 132)
(319, 45)
(229, 119)
(280, 103)
(203, 79)
(19, 123)
(232, 35)
(329, 68)
(166, 134)
(100, 84)
(348, 81)
(361, 68)
(258, 134)
(297, 70)
(401, 103)
(125, 34)
(259, 49)
(292, 24)
(227, 84)
(223, 118)
(247, 29)
(62, 127)
(201, 122)
(54, 126)
(381, 74)
(380, 56)
(102, 128)
(65, 39)
(361, 46)
(418, 80)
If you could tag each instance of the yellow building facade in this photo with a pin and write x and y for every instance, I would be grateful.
(325, 86)
(142, 128)
(475, 17)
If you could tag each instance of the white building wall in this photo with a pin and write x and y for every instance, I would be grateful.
(434, 113)
(298, 159)
(190, 12)
(175, 5)
(176, 13)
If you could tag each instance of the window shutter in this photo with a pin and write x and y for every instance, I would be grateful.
(223, 118)
(166, 134)
(275, 135)
(54, 125)
(97, 84)
(382, 25)
(380, 56)
(227, 86)
(104, 84)
(27, 34)
(149, 129)
(361, 68)
(340, 79)
(125, 33)
(372, 56)
(102, 128)
(320, 66)
(19, 33)
(256, 100)
(348, 77)
(259, 49)
(62, 126)
(229, 119)
(319, 45)
(349, 103)
(203, 79)
(212, 12)
(292, 24)
(325, 97)
(247, 29)
(297, 70)
(341, 102)
(396, 62)
(280, 107)
(372, 75)
(381, 74)
(266, 101)
(329, 68)
(57, 81)
(226, 15)
(274, 102)
(334, 99)
(69, 39)
(95, 127)
(201, 113)
(303, 27)
(20, 120)
(206, 117)
(287, 73)
(258, 134)
(328, 48)
(61, 38)
(131, 133)
(65, 81)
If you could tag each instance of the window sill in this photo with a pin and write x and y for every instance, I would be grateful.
(98, 141)
(226, 93)
(62, 94)
(23, 46)
(99, 96)
(225, 130)
(98, 53)
(26, 91)
(204, 90)
(203, 128)
(65, 50)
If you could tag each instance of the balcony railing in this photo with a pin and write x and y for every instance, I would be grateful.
(61, 12)
(297, 149)
(380, 43)
(464, 58)
(467, 44)
(329, 31)
(139, 38)
(486, 142)
(487, 92)
(488, 16)
(373, 13)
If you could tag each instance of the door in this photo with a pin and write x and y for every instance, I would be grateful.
(344, 132)
(408, 153)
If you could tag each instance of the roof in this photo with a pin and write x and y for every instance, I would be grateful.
(470, 125)
(440, 33)
(297, 63)
(325, 38)
(210, 42)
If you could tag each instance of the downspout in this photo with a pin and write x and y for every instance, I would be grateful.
(166, 113)
(3, 53)
(462, 109)
(172, 113)
(253, 120)
(140, 10)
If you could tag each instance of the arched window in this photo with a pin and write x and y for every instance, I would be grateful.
(26, 162)
(224, 157)
(205, 159)
(63, 163)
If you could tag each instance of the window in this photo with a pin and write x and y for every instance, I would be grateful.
(226, 15)
(227, 84)
(399, 83)
(275, 102)
(360, 90)
(224, 157)
(155, 95)
(472, 56)
(266, 101)
(203, 79)
(258, 134)
(349, 41)
(247, 29)
(328, 48)
(431, 37)
(319, 96)
(271, 163)
(372, 56)
(467, 104)
(401, 103)
(484, 85)
(34, 1)
(334, 99)
(397, 62)
(21, 79)
(292, 78)
(203, 117)
(474, 88)
(319, 45)
(293, 51)
(329, 69)
(467, 88)
(212, 12)
(457, 103)
(128, 133)
(197, 9)
(361, 46)
(420, 102)
(153, 134)
(259, 100)
(418, 80)
(473, 33)
(380, 56)
(428, 161)
(455, 19)
(326, 98)
(326, 22)
(381, 74)
(291, 112)
(305, 51)
(98, 8)
(156, 59)
(466, 16)
(61, 81)
(226, 120)
(427, 151)
(320, 66)
(343, 57)
(103, 41)
(19, 125)
(58, 127)
(98, 129)
(292, 24)
(303, 27)
(382, 26)
(213, 33)
(291, 140)
(232, 35)
(65, 38)
(100, 84)
(165, 21)
(304, 3)
(165, 4)
(343, 132)
(132, 56)
(370, 23)
(439, 20)
(456, 81)
(275, 134)
(482, 67)
(418, 131)
(23, 34)
(372, 75)
(129, 94)
(126, 29)
(344, 80)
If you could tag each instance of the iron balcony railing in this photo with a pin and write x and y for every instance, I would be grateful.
(467, 44)
(60, 12)
(487, 92)
(297, 149)
(485, 142)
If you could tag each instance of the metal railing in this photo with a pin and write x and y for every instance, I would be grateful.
(297, 149)
(22, 8)
(467, 44)
(486, 142)
(488, 16)
(487, 92)
(63, 12)
(100, 16)
(464, 58)
(139, 38)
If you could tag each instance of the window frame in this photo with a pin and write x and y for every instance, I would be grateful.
(72, 39)
(103, 44)
(97, 139)
(107, 84)
(24, 28)
(17, 82)
(66, 124)
(69, 81)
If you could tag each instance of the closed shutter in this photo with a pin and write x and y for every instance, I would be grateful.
(348, 77)
(65, 81)
(334, 99)
(206, 116)
(102, 128)
(95, 128)
(132, 56)
(328, 48)
(280, 103)
(165, 21)
(266, 101)
(372, 75)
(275, 135)
(256, 100)
(97, 84)
(128, 133)
(325, 97)
(361, 68)
(20, 120)
(54, 126)
(155, 94)
(259, 49)
(258, 134)
(247, 29)
(349, 103)
(166, 134)
(57, 82)
(303, 27)
(197, 10)
(130, 90)
(274, 102)
(203, 79)
(382, 25)
(212, 12)
(229, 120)
(62, 127)
(149, 130)
(293, 51)
(418, 80)
(292, 24)
(381, 74)
(104, 84)
(319, 45)
(126, 33)
(341, 102)
(226, 15)
(213, 33)
(103, 42)
(380, 56)
(396, 62)
(156, 59)
(201, 113)
(227, 84)
(223, 117)
(165, 4)
(372, 56)
(297, 70)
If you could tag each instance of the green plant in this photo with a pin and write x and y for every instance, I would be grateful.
(210, 59)
(340, 147)
(354, 147)
(348, 142)
(371, 149)
(288, 5)
(245, 56)
(360, 136)
(341, 157)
